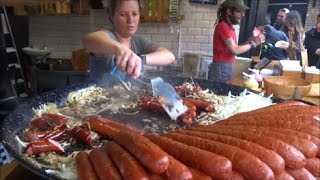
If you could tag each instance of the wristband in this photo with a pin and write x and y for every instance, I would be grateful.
(143, 59)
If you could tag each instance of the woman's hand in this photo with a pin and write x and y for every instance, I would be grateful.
(128, 62)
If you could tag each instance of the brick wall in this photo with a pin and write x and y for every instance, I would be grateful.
(193, 34)
(312, 14)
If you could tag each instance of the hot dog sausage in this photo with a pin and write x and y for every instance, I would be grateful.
(272, 159)
(293, 158)
(176, 170)
(102, 127)
(308, 148)
(196, 174)
(82, 134)
(85, 169)
(147, 153)
(40, 124)
(57, 133)
(236, 176)
(212, 164)
(313, 166)
(242, 161)
(103, 165)
(128, 166)
(301, 174)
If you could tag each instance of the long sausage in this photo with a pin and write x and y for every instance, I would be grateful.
(128, 166)
(313, 166)
(112, 123)
(212, 164)
(101, 127)
(196, 174)
(284, 176)
(103, 165)
(302, 173)
(85, 169)
(272, 159)
(176, 170)
(242, 161)
(55, 119)
(308, 148)
(293, 158)
(148, 153)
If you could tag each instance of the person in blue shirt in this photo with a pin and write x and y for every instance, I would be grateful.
(312, 44)
(272, 36)
(120, 46)
(281, 18)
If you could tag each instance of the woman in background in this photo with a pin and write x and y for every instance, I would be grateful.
(295, 32)
(312, 44)
(120, 46)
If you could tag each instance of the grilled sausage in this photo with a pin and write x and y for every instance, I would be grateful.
(147, 153)
(308, 148)
(272, 159)
(128, 166)
(57, 133)
(301, 174)
(82, 134)
(196, 174)
(313, 166)
(284, 176)
(176, 170)
(112, 123)
(293, 158)
(55, 119)
(41, 146)
(85, 169)
(203, 105)
(103, 165)
(101, 127)
(212, 164)
(242, 161)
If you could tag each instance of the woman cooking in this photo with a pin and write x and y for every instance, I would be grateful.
(120, 46)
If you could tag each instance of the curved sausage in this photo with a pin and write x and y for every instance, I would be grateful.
(212, 164)
(292, 157)
(147, 153)
(242, 161)
(85, 169)
(103, 165)
(272, 159)
(196, 174)
(200, 104)
(57, 133)
(176, 170)
(308, 148)
(40, 124)
(301, 174)
(41, 146)
(128, 166)
(284, 176)
(313, 166)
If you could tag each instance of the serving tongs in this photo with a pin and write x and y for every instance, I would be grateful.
(166, 94)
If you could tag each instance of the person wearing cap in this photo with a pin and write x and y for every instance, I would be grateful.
(281, 18)
(225, 45)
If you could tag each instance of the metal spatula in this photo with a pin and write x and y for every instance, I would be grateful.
(168, 98)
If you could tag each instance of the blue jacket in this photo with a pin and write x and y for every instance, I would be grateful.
(272, 36)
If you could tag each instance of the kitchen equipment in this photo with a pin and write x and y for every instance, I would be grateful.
(284, 86)
(166, 94)
(168, 98)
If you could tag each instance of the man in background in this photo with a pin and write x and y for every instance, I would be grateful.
(281, 18)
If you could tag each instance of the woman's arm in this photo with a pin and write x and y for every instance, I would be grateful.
(160, 57)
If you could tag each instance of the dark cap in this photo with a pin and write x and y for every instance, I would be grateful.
(238, 4)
